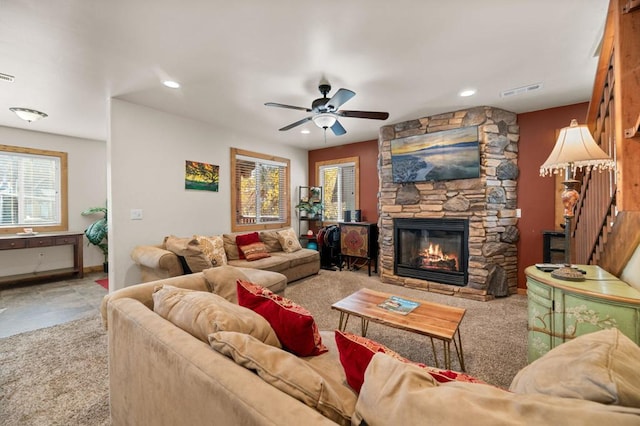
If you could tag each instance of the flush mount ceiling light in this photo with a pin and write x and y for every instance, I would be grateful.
(324, 120)
(171, 84)
(305, 131)
(468, 92)
(28, 114)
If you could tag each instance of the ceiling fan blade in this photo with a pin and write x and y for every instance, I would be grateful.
(297, 123)
(374, 115)
(274, 104)
(338, 129)
(341, 96)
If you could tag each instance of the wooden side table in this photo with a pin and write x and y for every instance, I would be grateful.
(17, 242)
(562, 310)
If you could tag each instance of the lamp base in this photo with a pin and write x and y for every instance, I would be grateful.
(567, 273)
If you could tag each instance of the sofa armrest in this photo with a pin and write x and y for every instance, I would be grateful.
(144, 292)
(156, 262)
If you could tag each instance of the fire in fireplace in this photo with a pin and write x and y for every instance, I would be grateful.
(432, 249)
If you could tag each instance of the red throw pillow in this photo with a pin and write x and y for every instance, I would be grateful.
(245, 240)
(254, 251)
(295, 327)
(356, 353)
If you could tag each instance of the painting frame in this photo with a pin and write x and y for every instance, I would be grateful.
(200, 176)
(438, 156)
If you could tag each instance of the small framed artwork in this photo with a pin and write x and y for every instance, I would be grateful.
(201, 176)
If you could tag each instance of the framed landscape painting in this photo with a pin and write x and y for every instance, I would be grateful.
(201, 176)
(447, 155)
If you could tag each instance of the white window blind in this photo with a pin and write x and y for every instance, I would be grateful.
(339, 182)
(261, 186)
(30, 189)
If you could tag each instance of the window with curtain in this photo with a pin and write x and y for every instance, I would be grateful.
(340, 180)
(32, 189)
(260, 191)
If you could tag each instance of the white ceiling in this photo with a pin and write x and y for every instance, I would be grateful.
(407, 57)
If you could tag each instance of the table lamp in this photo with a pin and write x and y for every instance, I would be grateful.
(574, 149)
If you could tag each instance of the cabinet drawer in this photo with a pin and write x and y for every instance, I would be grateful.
(40, 242)
(12, 244)
(61, 241)
(538, 289)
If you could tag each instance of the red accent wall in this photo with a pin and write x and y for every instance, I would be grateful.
(368, 154)
(536, 194)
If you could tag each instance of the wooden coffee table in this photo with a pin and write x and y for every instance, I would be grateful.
(430, 319)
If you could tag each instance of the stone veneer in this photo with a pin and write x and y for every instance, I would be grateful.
(489, 202)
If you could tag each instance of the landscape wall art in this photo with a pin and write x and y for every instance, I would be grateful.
(446, 155)
(201, 176)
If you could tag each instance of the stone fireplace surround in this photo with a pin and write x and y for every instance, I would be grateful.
(488, 202)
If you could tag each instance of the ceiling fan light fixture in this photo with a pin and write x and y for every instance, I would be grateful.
(28, 114)
(324, 120)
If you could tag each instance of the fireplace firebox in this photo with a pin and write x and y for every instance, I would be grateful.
(432, 249)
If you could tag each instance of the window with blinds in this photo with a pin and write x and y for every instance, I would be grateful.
(32, 189)
(260, 191)
(341, 190)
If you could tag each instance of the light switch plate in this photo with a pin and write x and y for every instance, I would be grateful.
(136, 214)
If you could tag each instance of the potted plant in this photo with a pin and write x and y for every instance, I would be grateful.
(97, 233)
(310, 208)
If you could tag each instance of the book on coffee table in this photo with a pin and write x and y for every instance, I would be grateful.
(399, 305)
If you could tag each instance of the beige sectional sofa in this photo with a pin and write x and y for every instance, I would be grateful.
(160, 373)
(159, 262)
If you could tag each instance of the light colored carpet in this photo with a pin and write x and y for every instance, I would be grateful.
(59, 375)
(55, 375)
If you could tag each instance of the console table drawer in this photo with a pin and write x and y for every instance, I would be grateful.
(40, 242)
(12, 244)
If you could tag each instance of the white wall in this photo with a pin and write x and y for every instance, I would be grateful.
(147, 150)
(87, 187)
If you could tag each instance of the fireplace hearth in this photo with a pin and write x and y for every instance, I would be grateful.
(432, 249)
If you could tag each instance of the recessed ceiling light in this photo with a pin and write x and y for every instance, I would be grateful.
(171, 84)
(468, 92)
(305, 131)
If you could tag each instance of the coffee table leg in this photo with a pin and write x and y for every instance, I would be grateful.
(458, 346)
(447, 354)
(433, 348)
(365, 326)
(342, 323)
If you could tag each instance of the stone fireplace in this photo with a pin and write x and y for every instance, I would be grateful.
(480, 213)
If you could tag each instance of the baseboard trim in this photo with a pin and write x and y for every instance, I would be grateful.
(522, 291)
(90, 269)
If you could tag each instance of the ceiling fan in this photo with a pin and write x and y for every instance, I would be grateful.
(325, 110)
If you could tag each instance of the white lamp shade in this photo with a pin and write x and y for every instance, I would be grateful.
(324, 120)
(575, 148)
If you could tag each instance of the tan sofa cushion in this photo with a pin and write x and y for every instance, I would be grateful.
(601, 367)
(289, 374)
(397, 393)
(222, 281)
(191, 250)
(230, 246)
(270, 240)
(299, 257)
(201, 313)
(272, 263)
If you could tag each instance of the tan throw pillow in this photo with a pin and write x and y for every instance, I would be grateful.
(213, 248)
(270, 240)
(600, 367)
(200, 313)
(254, 251)
(288, 373)
(222, 281)
(230, 247)
(289, 240)
(191, 250)
(396, 393)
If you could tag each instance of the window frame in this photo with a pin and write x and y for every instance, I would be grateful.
(63, 196)
(235, 192)
(338, 162)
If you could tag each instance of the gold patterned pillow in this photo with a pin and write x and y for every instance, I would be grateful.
(289, 240)
(213, 248)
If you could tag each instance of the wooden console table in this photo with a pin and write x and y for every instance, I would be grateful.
(562, 310)
(17, 242)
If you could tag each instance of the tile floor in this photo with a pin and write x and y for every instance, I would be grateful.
(27, 307)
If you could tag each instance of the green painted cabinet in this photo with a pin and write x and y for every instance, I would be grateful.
(562, 310)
